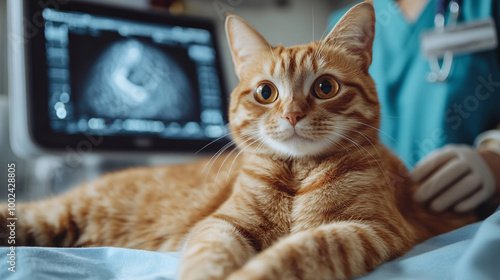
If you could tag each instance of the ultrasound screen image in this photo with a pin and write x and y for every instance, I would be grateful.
(118, 77)
(129, 76)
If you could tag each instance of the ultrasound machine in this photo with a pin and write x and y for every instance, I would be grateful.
(110, 82)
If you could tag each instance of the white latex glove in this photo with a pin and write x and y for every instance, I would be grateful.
(453, 175)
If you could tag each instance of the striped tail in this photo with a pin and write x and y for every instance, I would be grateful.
(341, 250)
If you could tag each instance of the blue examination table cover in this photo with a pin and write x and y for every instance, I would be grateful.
(468, 253)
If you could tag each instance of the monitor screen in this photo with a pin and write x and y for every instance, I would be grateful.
(135, 79)
(116, 76)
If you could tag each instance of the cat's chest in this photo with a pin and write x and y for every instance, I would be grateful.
(316, 199)
(296, 196)
(318, 203)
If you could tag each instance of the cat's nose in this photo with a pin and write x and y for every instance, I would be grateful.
(294, 117)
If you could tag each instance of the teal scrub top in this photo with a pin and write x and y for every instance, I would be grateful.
(419, 116)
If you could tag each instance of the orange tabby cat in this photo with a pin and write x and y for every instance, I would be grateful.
(312, 194)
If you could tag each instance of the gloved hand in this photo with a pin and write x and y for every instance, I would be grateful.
(453, 175)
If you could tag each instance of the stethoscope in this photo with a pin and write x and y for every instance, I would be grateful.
(439, 73)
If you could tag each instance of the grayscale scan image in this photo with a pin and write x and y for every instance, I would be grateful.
(132, 79)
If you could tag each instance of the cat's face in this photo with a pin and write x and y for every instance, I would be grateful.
(305, 100)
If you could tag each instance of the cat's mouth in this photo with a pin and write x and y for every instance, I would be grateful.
(297, 137)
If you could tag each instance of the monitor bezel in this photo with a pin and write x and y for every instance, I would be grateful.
(37, 88)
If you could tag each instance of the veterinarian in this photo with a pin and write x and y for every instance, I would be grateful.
(439, 91)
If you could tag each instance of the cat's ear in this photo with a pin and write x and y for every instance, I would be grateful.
(355, 31)
(244, 41)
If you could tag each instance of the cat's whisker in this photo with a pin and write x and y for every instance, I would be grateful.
(348, 139)
(223, 136)
(272, 53)
(375, 159)
(228, 156)
(320, 43)
(234, 160)
(210, 168)
(359, 147)
(364, 136)
(325, 32)
(221, 150)
(356, 145)
(214, 158)
(342, 146)
(357, 131)
(258, 149)
(371, 142)
(323, 43)
(224, 148)
(377, 129)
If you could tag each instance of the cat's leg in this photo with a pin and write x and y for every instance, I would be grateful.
(44, 223)
(83, 216)
(111, 211)
(341, 250)
(149, 208)
(216, 247)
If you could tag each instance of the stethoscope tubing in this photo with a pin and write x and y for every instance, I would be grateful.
(440, 73)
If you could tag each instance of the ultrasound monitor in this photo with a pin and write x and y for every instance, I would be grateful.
(127, 80)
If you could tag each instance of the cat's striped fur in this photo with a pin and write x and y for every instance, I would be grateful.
(313, 194)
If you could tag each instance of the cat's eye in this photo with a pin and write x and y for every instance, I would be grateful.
(266, 93)
(325, 87)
